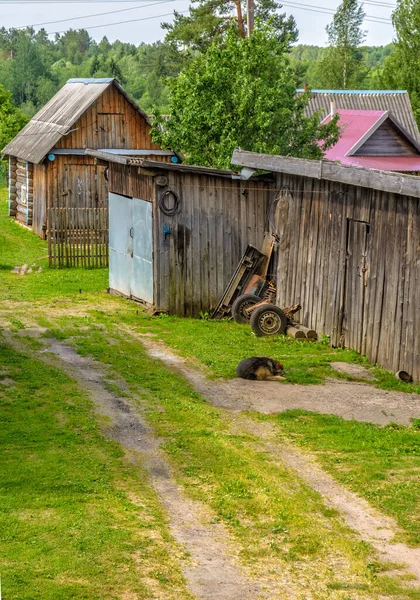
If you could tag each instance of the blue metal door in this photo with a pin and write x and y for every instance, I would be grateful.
(142, 273)
(120, 243)
(131, 247)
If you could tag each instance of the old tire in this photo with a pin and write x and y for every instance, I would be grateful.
(242, 302)
(268, 320)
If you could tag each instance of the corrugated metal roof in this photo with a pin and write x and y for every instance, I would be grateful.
(354, 125)
(357, 126)
(408, 164)
(58, 116)
(397, 102)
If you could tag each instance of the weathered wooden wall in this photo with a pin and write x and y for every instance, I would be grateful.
(111, 122)
(76, 182)
(125, 180)
(351, 256)
(216, 219)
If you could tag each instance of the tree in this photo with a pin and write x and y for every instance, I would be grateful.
(209, 20)
(11, 118)
(402, 67)
(342, 66)
(240, 94)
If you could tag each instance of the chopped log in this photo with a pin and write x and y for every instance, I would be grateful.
(311, 334)
(295, 333)
(289, 311)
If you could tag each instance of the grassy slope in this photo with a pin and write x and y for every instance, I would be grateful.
(76, 520)
(68, 528)
(19, 246)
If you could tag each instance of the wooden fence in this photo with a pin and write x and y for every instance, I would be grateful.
(78, 237)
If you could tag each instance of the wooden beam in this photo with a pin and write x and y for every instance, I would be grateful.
(385, 181)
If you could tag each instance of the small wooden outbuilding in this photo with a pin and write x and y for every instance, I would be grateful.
(48, 164)
(349, 253)
(177, 232)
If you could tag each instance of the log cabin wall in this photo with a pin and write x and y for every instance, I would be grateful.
(12, 186)
(197, 249)
(39, 217)
(24, 192)
(350, 255)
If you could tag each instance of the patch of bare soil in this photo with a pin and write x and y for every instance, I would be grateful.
(372, 526)
(350, 400)
(212, 571)
(358, 371)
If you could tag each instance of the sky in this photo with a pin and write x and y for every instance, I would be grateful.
(139, 21)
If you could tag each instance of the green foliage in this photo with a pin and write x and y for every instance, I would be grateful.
(209, 22)
(77, 521)
(241, 93)
(402, 68)
(342, 65)
(11, 120)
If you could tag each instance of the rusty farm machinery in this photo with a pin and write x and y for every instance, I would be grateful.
(250, 297)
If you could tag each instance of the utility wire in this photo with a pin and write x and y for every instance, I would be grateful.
(328, 11)
(112, 12)
(123, 22)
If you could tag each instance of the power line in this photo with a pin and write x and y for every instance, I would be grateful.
(94, 15)
(328, 11)
(123, 22)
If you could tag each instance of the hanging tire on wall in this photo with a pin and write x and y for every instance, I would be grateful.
(268, 320)
(241, 303)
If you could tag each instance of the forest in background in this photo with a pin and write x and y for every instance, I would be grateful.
(33, 67)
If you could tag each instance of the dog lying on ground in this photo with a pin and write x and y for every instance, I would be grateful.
(260, 368)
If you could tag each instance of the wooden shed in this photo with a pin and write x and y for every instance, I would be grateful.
(349, 253)
(177, 232)
(48, 165)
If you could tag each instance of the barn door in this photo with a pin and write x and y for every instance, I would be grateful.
(120, 243)
(131, 247)
(355, 284)
(142, 274)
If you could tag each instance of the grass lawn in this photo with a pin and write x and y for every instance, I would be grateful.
(277, 522)
(77, 521)
(18, 247)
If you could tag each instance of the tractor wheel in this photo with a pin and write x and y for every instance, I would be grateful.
(240, 304)
(268, 320)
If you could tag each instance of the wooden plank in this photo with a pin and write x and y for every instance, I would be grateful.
(370, 178)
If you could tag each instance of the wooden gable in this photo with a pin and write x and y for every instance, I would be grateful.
(387, 140)
(110, 122)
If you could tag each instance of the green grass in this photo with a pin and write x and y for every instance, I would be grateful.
(69, 527)
(382, 464)
(18, 247)
(221, 345)
(277, 521)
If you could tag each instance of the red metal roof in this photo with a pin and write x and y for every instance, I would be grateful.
(356, 125)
